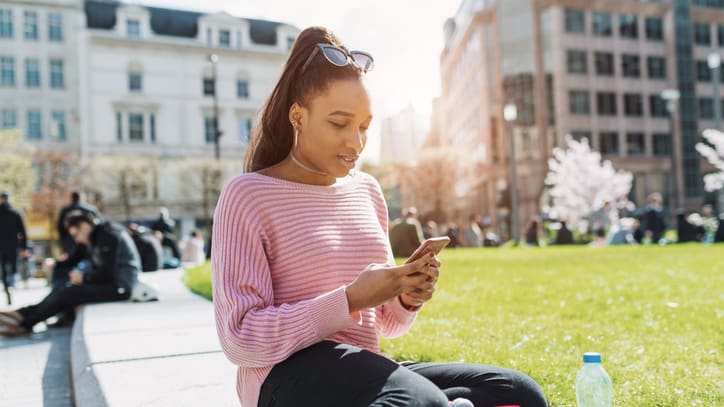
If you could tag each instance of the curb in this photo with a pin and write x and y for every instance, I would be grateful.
(87, 390)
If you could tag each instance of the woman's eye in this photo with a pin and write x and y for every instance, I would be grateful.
(337, 125)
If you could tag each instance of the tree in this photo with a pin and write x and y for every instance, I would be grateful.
(17, 175)
(203, 178)
(715, 155)
(580, 183)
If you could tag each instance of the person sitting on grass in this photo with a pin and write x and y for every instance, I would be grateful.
(108, 274)
(304, 280)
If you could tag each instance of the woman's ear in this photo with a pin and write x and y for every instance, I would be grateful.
(295, 115)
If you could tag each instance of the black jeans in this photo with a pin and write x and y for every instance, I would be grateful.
(333, 374)
(66, 298)
(8, 267)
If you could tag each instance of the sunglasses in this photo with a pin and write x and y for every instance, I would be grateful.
(339, 57)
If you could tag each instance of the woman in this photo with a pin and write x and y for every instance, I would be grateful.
(303, 275)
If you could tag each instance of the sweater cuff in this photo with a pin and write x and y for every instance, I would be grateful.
(330, 313)
(399, 312)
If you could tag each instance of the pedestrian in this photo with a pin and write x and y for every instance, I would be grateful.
(473, 234)
(406, 233)
(303, 272)
(148, 246)
(164, 223)
(77, 203)
(108, 274)
(564, 235)
(532, 233)
(192, 250)
(12, 239)
(652, 221)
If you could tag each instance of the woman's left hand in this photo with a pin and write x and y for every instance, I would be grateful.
(423, 293)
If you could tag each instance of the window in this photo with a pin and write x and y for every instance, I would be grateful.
(208, 37)
(209, 87)
(575, 21)
(244, 130)
(656, 67)
(604, 63)
(706, 108)
(657, 106)
(602, 24)
(6, 23)
(224, 38)
(579, 135)
(242, 89)
(55, 27)
(703, 72)
(135, 81)
(32, 72)
(720, 35)
(606, 103)
(57, 128)
(152, 124)
(578, 102)
(608, 141)
(56, 74)
(630, 66)
(137, 188)
(635, 144)
(8, 119)
(702, 34)
(577, 61)
(135, 127)
(654, 29)
(7, 71)
(238, 39)
(31, 25)
(662, 144)
(210, 129)
(119, 127)
(633, 104)
(628, 26)
(34, 129)
(133, 28)
(290, 42)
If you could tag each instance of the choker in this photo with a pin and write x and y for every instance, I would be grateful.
(304, 167)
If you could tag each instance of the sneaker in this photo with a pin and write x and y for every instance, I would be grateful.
(461, 402)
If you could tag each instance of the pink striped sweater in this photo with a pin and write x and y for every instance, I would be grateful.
(283, 253)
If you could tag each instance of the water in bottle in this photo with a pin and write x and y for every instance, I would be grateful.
(593, 386)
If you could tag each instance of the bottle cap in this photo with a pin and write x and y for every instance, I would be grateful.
(591, 357)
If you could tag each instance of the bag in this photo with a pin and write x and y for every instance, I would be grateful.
(143, 292)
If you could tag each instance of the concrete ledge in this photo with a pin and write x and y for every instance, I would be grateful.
(162, 353)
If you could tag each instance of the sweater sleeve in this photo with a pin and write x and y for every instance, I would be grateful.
(252, 330)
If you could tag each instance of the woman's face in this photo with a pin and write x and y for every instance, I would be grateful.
(333, 127)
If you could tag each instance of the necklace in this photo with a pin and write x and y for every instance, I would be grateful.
(304, 167)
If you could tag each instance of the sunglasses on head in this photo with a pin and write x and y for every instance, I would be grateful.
(339, 57)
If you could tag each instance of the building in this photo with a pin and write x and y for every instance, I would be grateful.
(402, 135)
(593, 69)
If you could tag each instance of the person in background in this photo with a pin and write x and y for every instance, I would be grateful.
(148, 246)
(77, 203)
(171, 254)
(652, 220)
(473, 234)
(601, 218)
(430, 229)
(623, 232)
(453, 232)
(12, 239)
(192, 249)
(164, 223)
(564, 235)
(406, 233)
(532, 233)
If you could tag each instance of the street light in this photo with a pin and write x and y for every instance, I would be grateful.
(714, 62)
(510, 113)
(671, 96)
(214, 59)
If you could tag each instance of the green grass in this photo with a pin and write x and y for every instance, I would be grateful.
(655, 314)
(198, 279)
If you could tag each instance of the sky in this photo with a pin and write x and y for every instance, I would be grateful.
(404, 36)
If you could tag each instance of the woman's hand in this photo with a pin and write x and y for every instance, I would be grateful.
(377, 284)
(421, 294)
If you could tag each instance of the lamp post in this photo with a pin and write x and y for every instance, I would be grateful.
(214, 59)
(714, 62)
(671, 96)
(510, 113)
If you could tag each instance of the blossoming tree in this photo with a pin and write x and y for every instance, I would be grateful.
(715, 155)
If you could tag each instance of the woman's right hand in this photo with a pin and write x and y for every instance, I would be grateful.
(378, 284)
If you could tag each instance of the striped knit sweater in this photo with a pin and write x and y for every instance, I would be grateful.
(282, 255)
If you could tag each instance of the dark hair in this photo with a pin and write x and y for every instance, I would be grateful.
(4, 195)
(75, 218)
(272, 136)
(75, 196)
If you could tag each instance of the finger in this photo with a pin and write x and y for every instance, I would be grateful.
(417, 265)
(435, 262)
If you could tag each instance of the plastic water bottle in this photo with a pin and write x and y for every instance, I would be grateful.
(593, 386)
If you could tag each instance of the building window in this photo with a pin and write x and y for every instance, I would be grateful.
(628, 26)
(703, 72)
(208, 37)
(152, 124)
(135, 81)
(238, 39)
(119, 127)
(579, 135)
(606, 103)
(706, 108)
(133, 28)
(31, 25)
(224, 38)
(32, 72)
(602, 24)
(7, 71)
(702, 34)
(209, 87)
(720, 35)
(577, 62)
(242, 89)
(662, 144)
(604, 63)
(578, 102)
(657, 106)
(56, 74)
(244, 131)
(135, 127)
(8, 120)
(635, 144)
(630, 65)
(608, 141)
(58, 125)
(55, 27)
(34, 130)
(654, 29)
(290, 42)
(6, 23)
(575, 21)
(656, 67)
(210, 129)
(633, 104)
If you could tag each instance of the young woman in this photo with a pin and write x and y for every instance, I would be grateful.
(303, 275)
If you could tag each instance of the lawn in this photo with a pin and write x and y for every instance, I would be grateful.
(655, 314)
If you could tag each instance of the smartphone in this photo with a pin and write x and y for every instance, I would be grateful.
(433, 244)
